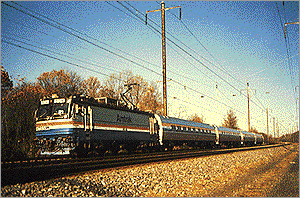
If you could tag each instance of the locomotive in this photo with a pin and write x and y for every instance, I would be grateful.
(81, 124)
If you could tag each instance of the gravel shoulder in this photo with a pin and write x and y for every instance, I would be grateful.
(258, 173)
(278, 177)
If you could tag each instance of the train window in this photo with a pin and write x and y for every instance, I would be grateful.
(209, 131)
(193, 129)
(184, 128)
(173, 128)
(188, 129)
(178, 128)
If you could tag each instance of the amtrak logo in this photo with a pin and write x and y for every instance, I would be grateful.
(121, 118)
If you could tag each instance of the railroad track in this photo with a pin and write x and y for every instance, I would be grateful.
(48, 168)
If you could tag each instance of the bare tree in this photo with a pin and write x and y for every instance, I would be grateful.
(151, 99)
(63, 83)
(230, 121)
(253, 130)
(91, 87)
(142, 94)
(196, 118)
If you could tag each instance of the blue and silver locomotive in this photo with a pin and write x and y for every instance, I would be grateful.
(80, 124)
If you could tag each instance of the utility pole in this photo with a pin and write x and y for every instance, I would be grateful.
(277, 129)
(267, 124)
(274, 126)
(163, 9)
(248, 97)
(288, 24)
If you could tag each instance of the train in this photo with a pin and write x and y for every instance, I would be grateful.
(79, 125)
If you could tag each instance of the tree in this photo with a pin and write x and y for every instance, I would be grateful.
(6, 82)
(63, 83)
(196, 118)
(114, 84)
(17, 121)
(151, 99)
(91, 87)
(230, 121)
(142, 94)
(253, 130)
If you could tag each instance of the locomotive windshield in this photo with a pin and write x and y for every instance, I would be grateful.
(57, 109)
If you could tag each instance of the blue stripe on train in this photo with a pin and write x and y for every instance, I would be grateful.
(63, 131)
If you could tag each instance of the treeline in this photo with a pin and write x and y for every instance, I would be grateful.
(19, 102)
(293, 137)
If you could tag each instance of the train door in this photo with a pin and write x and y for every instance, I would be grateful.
(153, 128)
(158, 128)
(217, 135)
(242, 137)
(88, 122)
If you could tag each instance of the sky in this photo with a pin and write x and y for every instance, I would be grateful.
(212, 52)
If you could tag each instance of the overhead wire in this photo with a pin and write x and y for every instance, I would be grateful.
(197, 60)
(90, 43)
(286, 45)
(65, 41)
(192, 57)
(83, 39)
(213, 56)
(46, 55)
(193, 65)
(224, 70)
(55, 52)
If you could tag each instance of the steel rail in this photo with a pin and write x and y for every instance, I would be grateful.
(14, 173)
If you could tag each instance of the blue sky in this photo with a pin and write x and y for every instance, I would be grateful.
(221, 43)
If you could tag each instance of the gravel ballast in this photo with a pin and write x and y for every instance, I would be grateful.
(194, 177)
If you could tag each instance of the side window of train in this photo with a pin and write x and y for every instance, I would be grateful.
(78, 110)
(173, 127)
(156, 127)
